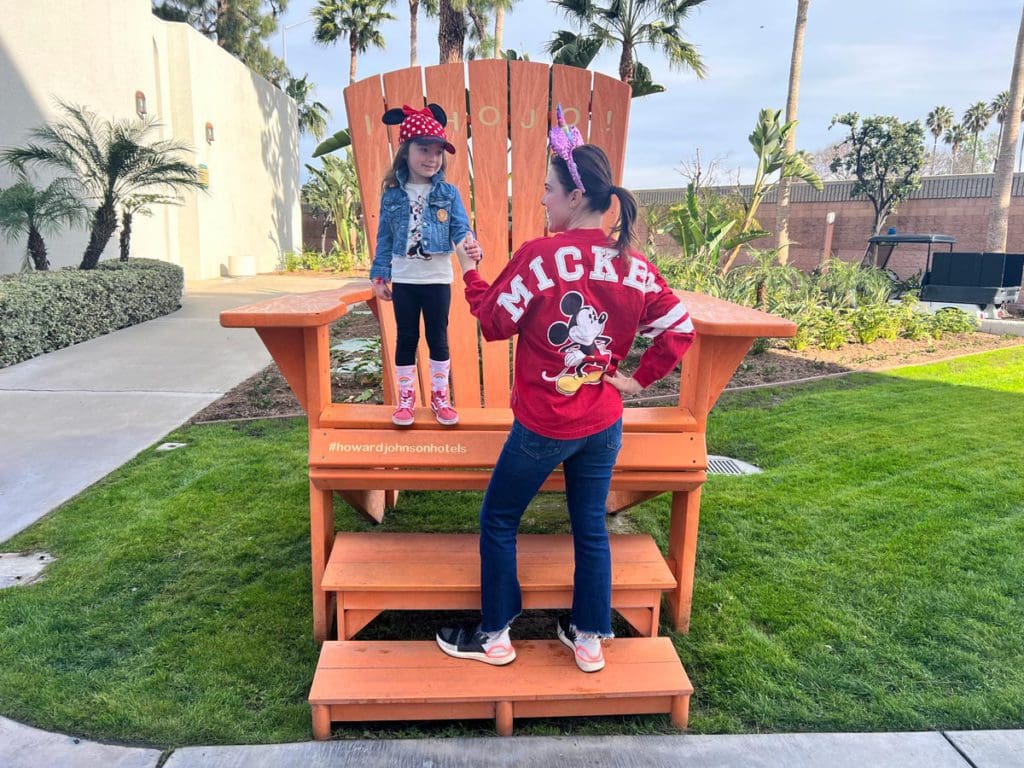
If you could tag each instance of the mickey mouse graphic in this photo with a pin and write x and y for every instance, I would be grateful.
(582, 342)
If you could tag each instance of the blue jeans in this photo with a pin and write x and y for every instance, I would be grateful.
(525, 463)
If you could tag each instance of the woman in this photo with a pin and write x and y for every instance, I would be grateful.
(577, 299)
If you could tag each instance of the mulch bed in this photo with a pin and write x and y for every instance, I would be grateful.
(267, 394)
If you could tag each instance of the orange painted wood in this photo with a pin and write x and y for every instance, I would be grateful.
(361, 416)
(714, 317)
(488, 108)
(528, 91)
(399, 680)
(354, 448)
(470, 479)
(446, 85)
(302, 310)
(620, 501)
(321, 537)
(364, 103)
(369, 502)
(609, 119)
(682, 555)
(398, 571)
(285, 346)
(570, 87)
(316, 345)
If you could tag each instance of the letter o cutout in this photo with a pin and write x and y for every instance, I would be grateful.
(489, 110)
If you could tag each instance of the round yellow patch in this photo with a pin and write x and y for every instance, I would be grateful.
(442, 215)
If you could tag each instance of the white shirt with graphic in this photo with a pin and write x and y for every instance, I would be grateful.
(419, 267)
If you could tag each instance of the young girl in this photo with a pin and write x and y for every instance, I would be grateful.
(421, 215)
(586, 295)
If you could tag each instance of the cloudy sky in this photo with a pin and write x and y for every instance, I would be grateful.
(899, 57)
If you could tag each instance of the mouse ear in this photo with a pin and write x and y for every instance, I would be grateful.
(393, 116)
(571, 303)
(439, 114)
(558, 333)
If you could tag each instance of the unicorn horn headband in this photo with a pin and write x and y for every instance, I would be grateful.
(564, 139)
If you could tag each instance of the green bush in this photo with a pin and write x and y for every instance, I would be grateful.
(44, 311)
(335, 260)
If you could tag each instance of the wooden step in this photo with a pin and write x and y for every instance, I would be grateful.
(361, 681)
(374, 572)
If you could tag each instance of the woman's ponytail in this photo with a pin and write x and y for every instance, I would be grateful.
(626, 228)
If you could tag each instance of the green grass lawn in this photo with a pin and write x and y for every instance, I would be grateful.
(870, 579)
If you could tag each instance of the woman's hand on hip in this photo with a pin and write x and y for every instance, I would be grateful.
(626, 385)
(382, 290)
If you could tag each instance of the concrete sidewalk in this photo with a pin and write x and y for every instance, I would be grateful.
(25, 747)
(72, 416)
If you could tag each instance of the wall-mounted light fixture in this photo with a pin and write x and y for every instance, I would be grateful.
(140, 104)
(209, 133)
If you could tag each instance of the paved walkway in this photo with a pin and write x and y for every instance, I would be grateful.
(24, 747)
(90, 408)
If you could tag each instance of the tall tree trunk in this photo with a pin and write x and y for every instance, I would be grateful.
(126, 235)
(974, 154)
(999, 215)
(999, 143)
(37, 249)
(223, 9)
(626, 63)
(499, 29)
(104, 222)
(414, 6)
(935, 148)
(792, 102)
(451, 33)
(353, 50)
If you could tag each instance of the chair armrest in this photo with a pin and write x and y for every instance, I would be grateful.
(715, 317)
(300, 310)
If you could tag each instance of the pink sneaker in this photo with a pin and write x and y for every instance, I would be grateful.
(443, 411)
(405, 413)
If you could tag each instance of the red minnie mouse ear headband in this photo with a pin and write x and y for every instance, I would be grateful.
(420, 124)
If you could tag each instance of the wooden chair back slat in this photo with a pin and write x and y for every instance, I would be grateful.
(371, 154)
(488, 102)
(507, 102)
(609, 119)
(446, 85)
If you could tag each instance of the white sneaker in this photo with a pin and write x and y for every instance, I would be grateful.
(586, 649)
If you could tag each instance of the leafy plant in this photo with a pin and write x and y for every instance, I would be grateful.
(27, 211)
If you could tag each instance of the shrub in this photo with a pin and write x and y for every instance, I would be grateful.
(952, 321)
(335, 260)
(44, 311)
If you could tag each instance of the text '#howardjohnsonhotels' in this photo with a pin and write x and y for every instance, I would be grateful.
(387, 448)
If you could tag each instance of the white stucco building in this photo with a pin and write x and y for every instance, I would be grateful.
(100, 54)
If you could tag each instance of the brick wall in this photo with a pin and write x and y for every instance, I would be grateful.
(948, 205)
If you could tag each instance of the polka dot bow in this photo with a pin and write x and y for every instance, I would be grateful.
(421, 124)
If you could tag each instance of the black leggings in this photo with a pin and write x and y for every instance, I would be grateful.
(433, 301)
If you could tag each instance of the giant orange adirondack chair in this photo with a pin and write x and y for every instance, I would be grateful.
(356, 452)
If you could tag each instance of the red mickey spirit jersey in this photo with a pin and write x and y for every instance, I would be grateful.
(577, 307)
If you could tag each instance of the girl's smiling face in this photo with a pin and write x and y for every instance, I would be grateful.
(425, 159)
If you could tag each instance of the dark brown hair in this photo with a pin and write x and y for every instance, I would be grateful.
(402, 161)
(596, 175)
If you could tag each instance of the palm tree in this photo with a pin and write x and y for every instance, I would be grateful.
(975, 121)
(629, 24)
(451, 30)
(25, 210)
(998, 221)
(108, 160)
(312, 114)
(481, 43)
(500, 7)
(430, 7)
(792, 102)
(139, 205)
(955, 136)
(999, 107)
(359, 20)
(939, 121)
(574, 50)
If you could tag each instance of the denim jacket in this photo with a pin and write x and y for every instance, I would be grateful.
(439, 231)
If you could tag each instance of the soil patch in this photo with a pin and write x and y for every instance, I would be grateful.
(267, 394)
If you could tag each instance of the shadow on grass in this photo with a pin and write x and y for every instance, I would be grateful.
(868, 580)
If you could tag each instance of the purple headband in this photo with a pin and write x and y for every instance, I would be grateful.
(564, 139)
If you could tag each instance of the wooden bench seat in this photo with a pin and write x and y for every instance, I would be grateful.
(374, 572)
(364, 681)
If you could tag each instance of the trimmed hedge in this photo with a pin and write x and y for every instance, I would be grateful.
(44, 311)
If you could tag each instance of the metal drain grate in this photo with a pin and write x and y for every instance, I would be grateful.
(723, 465)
